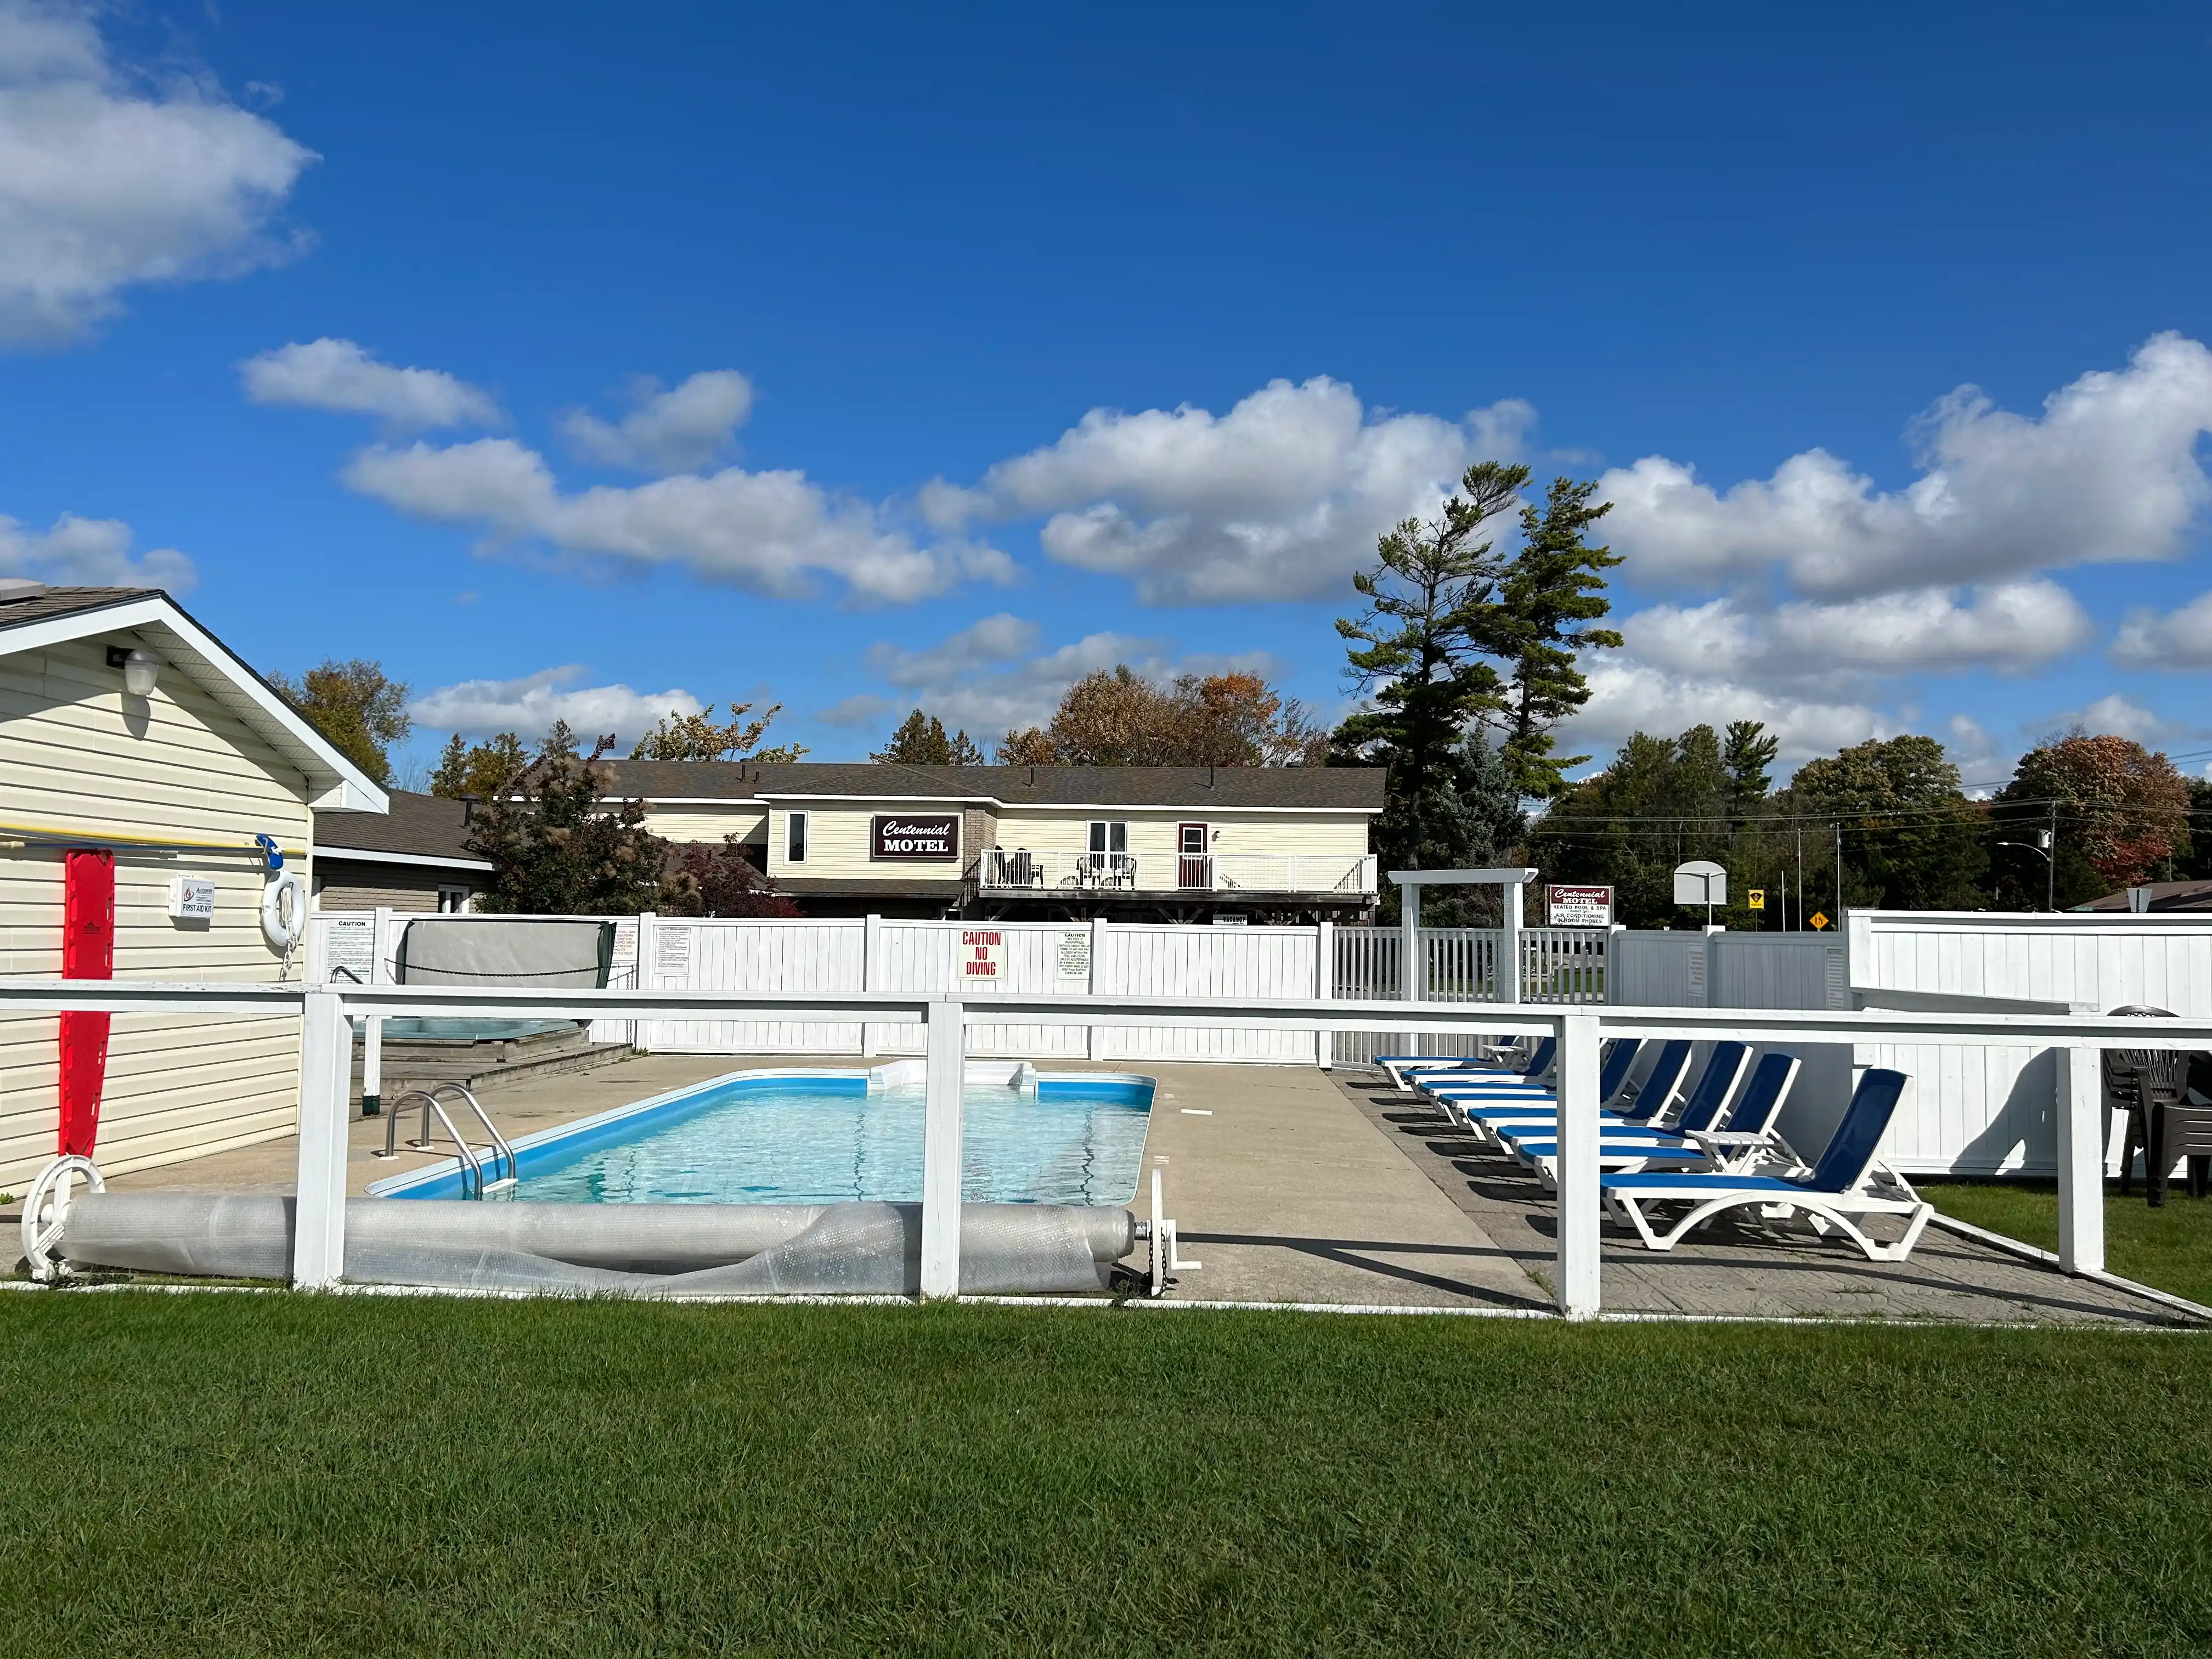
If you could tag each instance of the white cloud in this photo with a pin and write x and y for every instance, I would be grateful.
(983, 679)
(91, 553)
(993, 640)
(674, 431)
(2110, 472)
(2011, 628)
(1627, 696)
(106, 181)
(2180, 639)
(862, 710)
(772, 532)
(529, 706)
(341, 376)
(1281, 498)
(2115, 715)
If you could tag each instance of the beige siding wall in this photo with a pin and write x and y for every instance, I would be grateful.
(348, 886)
(709, 824)
(1152, 832)
(73, 756)
(838, 838)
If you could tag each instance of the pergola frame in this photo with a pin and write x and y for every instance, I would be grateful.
(1413, 962)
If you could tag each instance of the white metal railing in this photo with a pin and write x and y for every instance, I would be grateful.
(1015, 869)
(326, 1044)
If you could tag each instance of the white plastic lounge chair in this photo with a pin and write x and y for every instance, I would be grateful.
(1845, 1184)
(1681, 1144)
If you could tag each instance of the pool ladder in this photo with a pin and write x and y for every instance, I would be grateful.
(486, 1183)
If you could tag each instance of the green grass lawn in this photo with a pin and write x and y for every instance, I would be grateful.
(283, 1474)
(2170, 1248)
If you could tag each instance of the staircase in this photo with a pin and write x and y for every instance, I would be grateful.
(486, 1063)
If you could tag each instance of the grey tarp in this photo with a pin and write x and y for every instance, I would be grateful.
(638, 1249)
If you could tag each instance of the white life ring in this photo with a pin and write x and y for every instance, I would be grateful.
(284, 911)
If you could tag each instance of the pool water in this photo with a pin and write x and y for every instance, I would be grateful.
(826, 1139)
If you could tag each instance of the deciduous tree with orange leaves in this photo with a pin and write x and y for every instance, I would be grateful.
(2122, 811)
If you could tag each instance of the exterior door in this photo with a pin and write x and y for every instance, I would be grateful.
(1193, 866)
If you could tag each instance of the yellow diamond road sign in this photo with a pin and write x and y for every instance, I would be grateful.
(1819, 919)
(1756, 899)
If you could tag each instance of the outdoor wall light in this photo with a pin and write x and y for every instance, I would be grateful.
(141, 669)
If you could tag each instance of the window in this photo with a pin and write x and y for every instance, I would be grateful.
(1192, 839)
(1112, 837)
(452, 901)
(794, 838)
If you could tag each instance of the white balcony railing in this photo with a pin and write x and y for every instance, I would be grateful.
(1006, 869)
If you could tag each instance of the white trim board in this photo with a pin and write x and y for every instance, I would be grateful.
(335, 783)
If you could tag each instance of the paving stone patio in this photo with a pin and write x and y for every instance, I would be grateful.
(1745, 1269)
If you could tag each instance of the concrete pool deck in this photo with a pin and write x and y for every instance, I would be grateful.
(1293, 1185)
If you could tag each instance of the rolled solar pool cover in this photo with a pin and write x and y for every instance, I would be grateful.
(637, 1249)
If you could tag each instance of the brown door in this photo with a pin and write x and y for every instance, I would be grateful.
(1192, 867)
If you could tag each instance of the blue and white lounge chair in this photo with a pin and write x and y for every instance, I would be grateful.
(1535, 1082)
(1483, 1110)
(1497, 1056)
(1644, 1107)
(1845, 1184)
(1684, 1142)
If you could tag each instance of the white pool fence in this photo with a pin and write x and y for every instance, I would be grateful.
(2069, 1043)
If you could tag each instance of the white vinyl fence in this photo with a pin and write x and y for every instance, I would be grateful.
(1558, 964)
(1095, 958)
(1980, 1108)
(1691, 968)
(1985, 1113)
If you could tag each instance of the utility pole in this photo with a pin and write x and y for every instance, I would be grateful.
(2050, 864)
(1840, 873)
(1801, 876)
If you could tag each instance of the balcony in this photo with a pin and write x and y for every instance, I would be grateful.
(1013, 870)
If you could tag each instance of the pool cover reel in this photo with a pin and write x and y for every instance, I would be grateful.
(635, 1249)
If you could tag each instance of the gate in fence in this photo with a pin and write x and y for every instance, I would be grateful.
(1461, 964)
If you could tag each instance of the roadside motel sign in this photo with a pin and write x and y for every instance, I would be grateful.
(982, 957)
(1577, 906)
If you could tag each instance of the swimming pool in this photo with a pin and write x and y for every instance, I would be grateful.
(822, 1137)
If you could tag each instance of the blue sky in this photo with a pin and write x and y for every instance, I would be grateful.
(1031, 339)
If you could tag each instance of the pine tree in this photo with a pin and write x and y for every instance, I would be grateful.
(920, 740)
(1551, 592)
(1432, 610)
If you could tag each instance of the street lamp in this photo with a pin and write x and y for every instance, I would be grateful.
(2041, 845)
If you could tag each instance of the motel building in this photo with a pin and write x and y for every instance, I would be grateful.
(1131, 844)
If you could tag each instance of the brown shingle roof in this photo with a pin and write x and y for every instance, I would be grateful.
(1339, 787)
(428, 826)
(20, 605)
